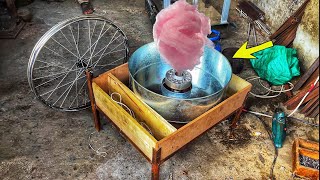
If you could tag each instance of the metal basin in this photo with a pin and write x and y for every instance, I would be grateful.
(210, 78)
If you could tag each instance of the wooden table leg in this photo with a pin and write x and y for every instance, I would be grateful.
(155, 164)
(95, 112)
(236, 118)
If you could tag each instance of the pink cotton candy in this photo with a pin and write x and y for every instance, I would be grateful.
(180, 32)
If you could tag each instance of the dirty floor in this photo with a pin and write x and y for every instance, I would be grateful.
(37, 142)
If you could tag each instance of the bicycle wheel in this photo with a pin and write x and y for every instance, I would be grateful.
(57, 65)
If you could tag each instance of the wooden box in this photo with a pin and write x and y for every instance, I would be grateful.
(309, 149)
(165, 139)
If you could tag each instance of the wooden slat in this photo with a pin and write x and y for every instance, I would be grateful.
(312, 78)
(312, 108)
(315, 112)
(306, 75)
(308, 144)
(296, 99)
(127, 124)
(121, 72)
(308, 105)
(310, 153)
(193, 129)
(158, 125)
(236, 84)
(314, 93)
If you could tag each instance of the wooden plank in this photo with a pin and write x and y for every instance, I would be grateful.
(312, 78)
(127, 124)
(296, 99)
(315, 112)
(308, 145)
(313, 108)
(236, 84)
(314, 93)
(121, 72)
(157, 124)
(306, 75)
(193, 129)
(308, 105)
(310, 153)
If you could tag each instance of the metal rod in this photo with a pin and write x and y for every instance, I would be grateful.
(166, 3)
(195, 2)
(225, 11)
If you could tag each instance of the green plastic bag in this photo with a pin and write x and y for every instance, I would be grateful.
(277, 64)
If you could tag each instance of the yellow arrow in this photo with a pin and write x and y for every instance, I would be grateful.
(245, 53)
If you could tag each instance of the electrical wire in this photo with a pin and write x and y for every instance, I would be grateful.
(275, 148)
(292, 118)
(265, 96)
(281, 91)
(305, 96)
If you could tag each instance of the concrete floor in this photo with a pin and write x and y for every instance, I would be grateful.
(42, 143)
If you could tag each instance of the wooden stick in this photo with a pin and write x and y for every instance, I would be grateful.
(312, 78)
(315, 112)
(306, 75)
(96, 117)
(314, 93)
(311, 110)
(155, 164)
(299, 96)
(308, 105)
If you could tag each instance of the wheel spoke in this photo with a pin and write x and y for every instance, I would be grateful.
(65, 37)
(49, 65)
(58, 87)
(60, 81)
(105, 47)
(55, 74)
(78, 92)
(109, 64)
(48, 81)
(68, 89)
(107, 54)
(89, 34)
(94, 27)
(64, 48)
(74, 40)
(96, 42)
(56, 53)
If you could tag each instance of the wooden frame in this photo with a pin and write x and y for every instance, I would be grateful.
(309, 149)
(165, 139)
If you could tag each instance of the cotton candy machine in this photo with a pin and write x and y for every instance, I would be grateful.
(178, 97)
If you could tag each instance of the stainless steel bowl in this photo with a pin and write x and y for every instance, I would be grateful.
(209, 80)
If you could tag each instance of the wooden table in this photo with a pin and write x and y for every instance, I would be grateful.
(165, 139)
